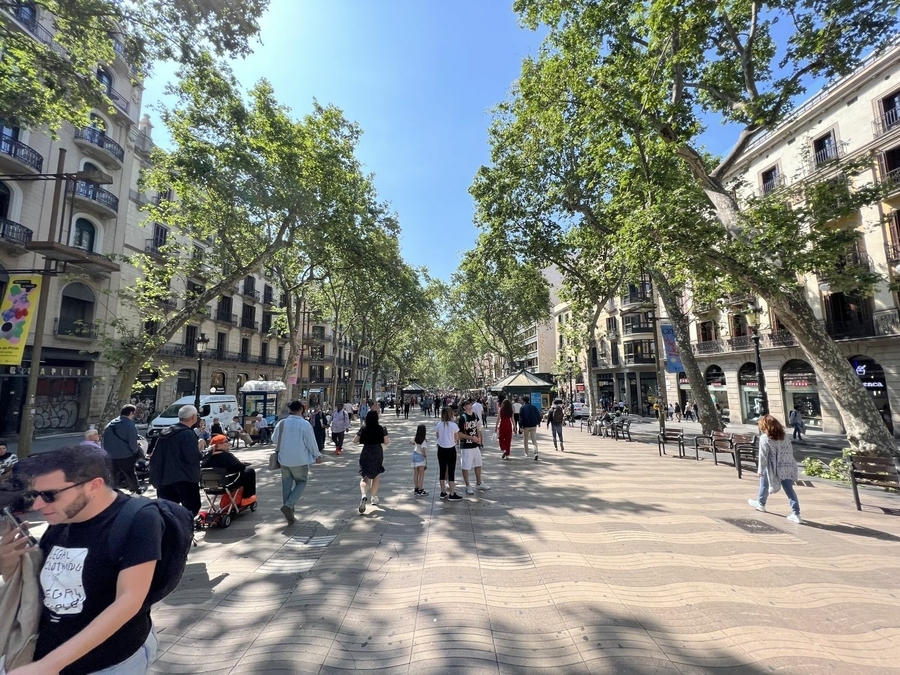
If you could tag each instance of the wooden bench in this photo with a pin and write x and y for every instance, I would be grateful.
(622, 427)
(744, 449)
(878, 471)
(718, 442)
(670, 435)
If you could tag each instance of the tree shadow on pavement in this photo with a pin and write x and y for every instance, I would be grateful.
(855, 530)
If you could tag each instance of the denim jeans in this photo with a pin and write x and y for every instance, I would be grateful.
(557, 432)
(786, 485)
(138, 663)
(798, 431)
(293, 483)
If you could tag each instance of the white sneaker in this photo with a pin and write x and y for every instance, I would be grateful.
(374, 500)
(756, 505)
(795, 518)
(482, 486)
(362, 504)
(470, 490)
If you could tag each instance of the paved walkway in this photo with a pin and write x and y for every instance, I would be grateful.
(603, 559)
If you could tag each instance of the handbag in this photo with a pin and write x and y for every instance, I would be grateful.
(274, 464)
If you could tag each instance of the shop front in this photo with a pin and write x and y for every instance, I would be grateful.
(145, 399)
(871, 374)
(715, 382)
(801, 392)
(684, 389)
(751, 400)
(649, 392)
(606, 388)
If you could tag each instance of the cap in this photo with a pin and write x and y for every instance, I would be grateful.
(218, 439)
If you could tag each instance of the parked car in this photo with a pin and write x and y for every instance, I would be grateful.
(580, 410)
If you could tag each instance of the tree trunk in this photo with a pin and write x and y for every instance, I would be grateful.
(120, 393)
(865, 429)
(709, 417)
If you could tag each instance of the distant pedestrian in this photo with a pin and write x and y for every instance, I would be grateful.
(373, 437)
(555, 420)
(777, 467)
(420, 460)
(406, 404)
(796, 420)
(677, 412)
(340, 425)
(235, 430)
(319, 422)
(517, 409)
(92, 440)
(203, 435)
(398, 407)
(215, 428)
(262, 429)
(364, 408)
(297, 450)
(530, 420)
(120, 441)
(447, 433)
(504, 428)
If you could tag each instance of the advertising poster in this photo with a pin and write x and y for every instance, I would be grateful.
(673, 356)
(16, 314)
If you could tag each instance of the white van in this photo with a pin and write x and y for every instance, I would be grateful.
(222, 406)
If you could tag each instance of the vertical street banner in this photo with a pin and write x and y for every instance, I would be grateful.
(673, 355)
(294, 377)
(16, 314)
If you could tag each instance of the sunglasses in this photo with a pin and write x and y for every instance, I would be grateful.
(49, 496)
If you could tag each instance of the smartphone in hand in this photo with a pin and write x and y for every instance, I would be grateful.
(14, 523)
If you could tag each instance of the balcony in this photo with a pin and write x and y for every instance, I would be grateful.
(97, 144)
(886, 122)
(24, 155)
(778, 338)
(317, 337)
(249, 324)
(14, 237)
(769, 186)
(75, 329)
(95, 264)
(740, 343)
(42, 35)
(224, 316)
(154, 247)
(122, 53)
(269, 299)
(173, 350)
(892, 177)
(119, 101)
(169, 303)
(638, 330)
(639, 359)
(708, 347)
(101, 201)
(250, 293)
(637, 296)
(742, 299)
(828, 154)
(849, 330)
(893, 252)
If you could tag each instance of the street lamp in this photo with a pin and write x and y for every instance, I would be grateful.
(752, 314)
(200, 344)
(571, 370)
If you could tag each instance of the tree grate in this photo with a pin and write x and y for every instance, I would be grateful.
(753, 526)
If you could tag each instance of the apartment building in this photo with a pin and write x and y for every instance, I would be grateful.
(326, 365)
(90, 227)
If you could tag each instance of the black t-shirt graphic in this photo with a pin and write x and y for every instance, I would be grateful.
(78, 581)
(468, 426)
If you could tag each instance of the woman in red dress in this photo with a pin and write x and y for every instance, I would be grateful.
(503, 427)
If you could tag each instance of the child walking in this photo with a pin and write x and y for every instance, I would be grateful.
(419, 460)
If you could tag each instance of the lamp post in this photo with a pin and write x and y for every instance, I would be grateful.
(26, 429)
(200, 344)
(570, 368)
(752, 315)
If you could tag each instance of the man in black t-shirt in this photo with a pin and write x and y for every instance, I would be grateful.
(95, 612)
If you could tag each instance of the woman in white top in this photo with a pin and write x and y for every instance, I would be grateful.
(447, 433)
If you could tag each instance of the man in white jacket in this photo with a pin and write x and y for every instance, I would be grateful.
(297, 449)
(340, 423)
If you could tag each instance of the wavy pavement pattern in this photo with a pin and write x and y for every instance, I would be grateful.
(607, 559)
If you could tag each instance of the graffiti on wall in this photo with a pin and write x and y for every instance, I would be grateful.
(56, 412)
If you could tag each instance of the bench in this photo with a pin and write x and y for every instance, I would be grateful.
(878, 471)
(744, 449)
(622, 426)
(715, 443)
(670, 435)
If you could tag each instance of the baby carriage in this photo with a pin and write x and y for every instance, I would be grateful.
(225, 497)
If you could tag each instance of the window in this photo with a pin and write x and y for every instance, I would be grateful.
(266, 322)
(26, 12)
(317, 373)
(612, 325)
(194, 289)
(708, 331)
(825, 149)
(160, 235)
(264, 352)
(245, 349)
(76, 310)
(739, 326)
(5, 200)
(8, 131)
(317, 353)
(190, 340)
(640, 351)
(890, 109)
(248, 316)
(221, 345)
(83, 234)
(771, 179)
(268, 294)
(614, 353)
(97, 122)
(105, 79)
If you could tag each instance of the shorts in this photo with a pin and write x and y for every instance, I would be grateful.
(418, 459)
(470, 458)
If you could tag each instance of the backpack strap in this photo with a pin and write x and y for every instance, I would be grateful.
(121, 525)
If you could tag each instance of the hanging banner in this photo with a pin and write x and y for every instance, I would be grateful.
(294, 377)
(673, 355)
(16, 314)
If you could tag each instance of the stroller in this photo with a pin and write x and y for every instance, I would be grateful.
(224, 496)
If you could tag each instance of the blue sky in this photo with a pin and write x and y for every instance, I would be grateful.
(419, 76)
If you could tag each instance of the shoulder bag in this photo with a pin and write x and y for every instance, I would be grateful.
(274, 464)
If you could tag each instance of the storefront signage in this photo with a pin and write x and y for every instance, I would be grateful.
(53, 371)
(798, 383)
(579, 387)
(17, 311)
(873, 385)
